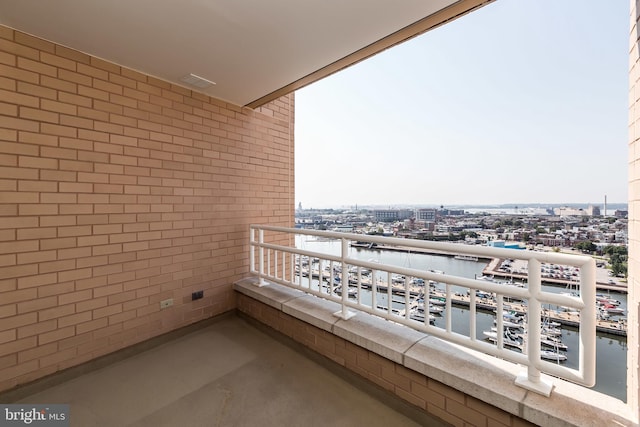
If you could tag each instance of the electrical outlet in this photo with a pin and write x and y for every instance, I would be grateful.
(197, 295)
(166, 303)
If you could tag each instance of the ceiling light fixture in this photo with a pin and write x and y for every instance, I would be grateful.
(197, 81)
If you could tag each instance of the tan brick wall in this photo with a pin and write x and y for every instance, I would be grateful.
(117, 191)
(435, 398)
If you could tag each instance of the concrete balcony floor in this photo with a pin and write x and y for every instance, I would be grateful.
(227, 373)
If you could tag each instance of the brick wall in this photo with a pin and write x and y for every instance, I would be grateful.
(431, 396)
(117, 191)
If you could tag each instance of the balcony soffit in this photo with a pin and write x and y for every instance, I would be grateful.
(253, 50)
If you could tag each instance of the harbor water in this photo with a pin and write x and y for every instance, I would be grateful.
(611, 350)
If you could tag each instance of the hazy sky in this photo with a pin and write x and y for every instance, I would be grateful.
(522, 101)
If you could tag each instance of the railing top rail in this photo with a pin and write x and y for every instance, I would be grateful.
(483, 251)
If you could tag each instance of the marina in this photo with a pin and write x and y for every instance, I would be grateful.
(426, 303)
(483, 301)
(492, 267)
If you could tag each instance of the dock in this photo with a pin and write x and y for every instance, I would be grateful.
(618, 328)
(565, 318)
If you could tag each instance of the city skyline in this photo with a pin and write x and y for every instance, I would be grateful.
(520, 102)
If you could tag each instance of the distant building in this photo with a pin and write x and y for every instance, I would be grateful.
(386, 215)
(496, 243)
(567, 211)
(621, 214)
(451, 212)
(503, 244)
(593, 210)
(390, 215)
(425, 215)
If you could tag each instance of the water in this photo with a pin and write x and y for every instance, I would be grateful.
(611, 350)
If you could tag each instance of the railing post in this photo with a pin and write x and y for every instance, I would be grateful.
(344, 313)
(261, 281)
(252, 250)
(586, 358)
(532, 379)
(500, 321)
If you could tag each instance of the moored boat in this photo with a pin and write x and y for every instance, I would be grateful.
(552, 355)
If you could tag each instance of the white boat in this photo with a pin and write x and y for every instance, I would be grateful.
(432, 308)
(416, 315)
(351, 292)
(605, 299)
(613, 310)
(546, 323)
(552, 332)
(554, 344)
(507, 341)
(545, 340)
(511, 324)
(482, 294)
(397, 278)
(552, 355)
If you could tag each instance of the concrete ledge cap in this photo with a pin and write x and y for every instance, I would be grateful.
(380, 336)
(272, 295)
(313, 310)
(573, 405)
(484, 377)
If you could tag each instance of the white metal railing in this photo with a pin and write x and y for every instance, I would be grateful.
(274, 258)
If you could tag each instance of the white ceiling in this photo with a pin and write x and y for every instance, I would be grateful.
(249, 48)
